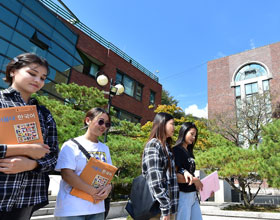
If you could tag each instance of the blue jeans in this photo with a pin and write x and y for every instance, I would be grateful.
(189, 208)
(98, 216)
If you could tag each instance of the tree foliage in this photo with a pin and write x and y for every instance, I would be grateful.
(232, 163)
(167, 99)
(244, 127)
(126, 154)
(69, 114)
(270, 152)
(81, 97)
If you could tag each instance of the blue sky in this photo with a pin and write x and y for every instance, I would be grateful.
(178, 38)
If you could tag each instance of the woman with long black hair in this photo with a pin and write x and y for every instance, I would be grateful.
(188, 208)
(158, 166)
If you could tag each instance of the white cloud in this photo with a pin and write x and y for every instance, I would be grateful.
(195, 111)
(252, 44)
(221, 54)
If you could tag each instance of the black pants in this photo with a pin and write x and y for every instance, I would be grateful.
(17, 214)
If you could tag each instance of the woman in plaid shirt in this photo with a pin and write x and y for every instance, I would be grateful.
(24, 167)
(158, 166)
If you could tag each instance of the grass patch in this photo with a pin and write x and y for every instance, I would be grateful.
(254, 208)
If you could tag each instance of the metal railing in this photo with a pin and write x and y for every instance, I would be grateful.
(68, 17)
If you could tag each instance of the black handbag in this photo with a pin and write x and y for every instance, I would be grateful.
(141, 204)
(108, 199)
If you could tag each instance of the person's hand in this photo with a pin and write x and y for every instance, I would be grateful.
(101, 193)
(167, 217)
(212, 194)
(188, 177)
(104, 192)
(37, 151)
(17, 164)
(198, 184)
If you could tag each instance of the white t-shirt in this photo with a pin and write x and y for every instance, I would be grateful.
(72, 158)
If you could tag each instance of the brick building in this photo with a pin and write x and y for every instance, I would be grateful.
(235, 77)
(75, 54)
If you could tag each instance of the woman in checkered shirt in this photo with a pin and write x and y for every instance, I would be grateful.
(158, 166)
(24, 168)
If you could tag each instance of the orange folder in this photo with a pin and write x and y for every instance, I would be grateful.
(20, 125)
(97, 174)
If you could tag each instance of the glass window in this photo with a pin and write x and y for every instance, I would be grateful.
(56, 76)
(4, 46)
(13, 5)
(13, 51)
(40, 40)
(251, 88)
(3, 84)
(129, 85)
(25, 28)
(5, 31)
(8, 17)
(237, 91)
(119, 78)
(93, 69)
(138, 94)
(77, 56)
(63, 42)
(36, 21)
(65, 31)
(1, 60)
(152, 97)
(38, 9)
(58, 51)
(26, 45)
(265, 85)
(50, 88)
(5, 62)
(123, 115)
(250, 71)
(55, 62)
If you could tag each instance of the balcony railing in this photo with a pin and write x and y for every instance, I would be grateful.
(68, 17)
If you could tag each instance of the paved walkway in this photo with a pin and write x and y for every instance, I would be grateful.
(213, 212)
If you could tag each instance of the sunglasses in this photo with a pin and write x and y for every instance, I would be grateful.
(102, 122)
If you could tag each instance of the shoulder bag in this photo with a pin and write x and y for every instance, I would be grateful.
(141, 204)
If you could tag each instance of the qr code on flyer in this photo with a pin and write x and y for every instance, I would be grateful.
(26, 132)
(99, 181)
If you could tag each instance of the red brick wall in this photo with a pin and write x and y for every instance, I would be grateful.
(112, 62)
(220, 72)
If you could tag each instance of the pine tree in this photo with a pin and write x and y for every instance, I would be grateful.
(270, 152)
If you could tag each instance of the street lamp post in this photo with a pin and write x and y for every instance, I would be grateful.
(114, 89)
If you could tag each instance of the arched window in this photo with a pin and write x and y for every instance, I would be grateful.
(252, 99)
(250, 71)
(249, 79)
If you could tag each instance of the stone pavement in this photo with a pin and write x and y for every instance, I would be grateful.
(212, 211)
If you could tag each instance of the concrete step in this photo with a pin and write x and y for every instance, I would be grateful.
(45, 217)
(52, 198)
(44, 211)
(51, 204)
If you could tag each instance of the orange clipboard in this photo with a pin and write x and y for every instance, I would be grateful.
(20, 125)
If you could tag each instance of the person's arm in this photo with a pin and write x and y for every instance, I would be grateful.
(48, 162)
(185, 177)
(34, 151)
(70, 177)
(198, 184)
(156, 176)
(17, 164)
